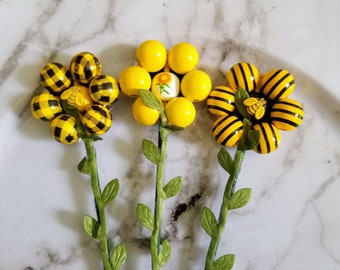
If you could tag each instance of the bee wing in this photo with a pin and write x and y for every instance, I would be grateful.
(250, 101)
(259, 113)
(66, 94)
(79, 99)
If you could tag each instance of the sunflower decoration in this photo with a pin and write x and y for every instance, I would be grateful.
(265, 101)
(171, 76)
(166, 84)
(251, 110)
(76, 101)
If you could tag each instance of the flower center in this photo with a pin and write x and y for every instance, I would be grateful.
(255, 107)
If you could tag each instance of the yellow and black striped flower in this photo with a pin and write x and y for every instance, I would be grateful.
(266, 103)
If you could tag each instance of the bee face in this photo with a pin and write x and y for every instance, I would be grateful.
(96, 119)
(227, 130)
(104, 89)
(55, 77)
(287, 114)
(277, 84)
(269, 137)
(243, 75)
(255, 107)
(84, 67)
(63, 129)
(221, 101)
(45, 106)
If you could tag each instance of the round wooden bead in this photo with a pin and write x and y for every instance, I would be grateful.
(269, 137)
(243, 75)
(221, 101)
(227, 130)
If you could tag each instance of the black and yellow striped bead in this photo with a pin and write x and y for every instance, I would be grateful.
(243, 75)
(45, 106)
(104, 89)
(277, 84)
(96, 119)
(269, 138)
(55, 77)
(227, 130)
(286, 114)
(84, 67)
(63, 129)
(221, 101)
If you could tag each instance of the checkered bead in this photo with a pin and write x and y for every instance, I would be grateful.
(84, 67)
(63, 129)
(104, 89)
(96, 119)
(55, 77)
(45, 106)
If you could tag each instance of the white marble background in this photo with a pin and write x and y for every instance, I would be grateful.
(293, 219)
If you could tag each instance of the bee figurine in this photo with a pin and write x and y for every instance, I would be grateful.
(77, 96)
(255, 107)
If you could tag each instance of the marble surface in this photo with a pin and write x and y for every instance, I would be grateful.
(293, 218)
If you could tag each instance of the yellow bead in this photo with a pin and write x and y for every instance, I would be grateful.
(151, 55)
(165, 86)
(55, 77)
(63, 129)
(221, 101)
(286, 114)
(134, 78)
(45, 106)
(96, 119)
(183, 57)
(269, 138)
(277, 84)
(104, 89)
(243, 75)
(84, 67)
(227, 130)
(180, 112)
(144, 114)
(196, 85)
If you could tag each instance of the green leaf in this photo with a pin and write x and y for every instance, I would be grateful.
(174, 128)
(164, 253)
(110, 192)
(92, 227)
(145, 216)
(249, 141)
(151, 151)
(173, 187)
(151, 100)
(225, 160)
(240, 198)
(118, 256)
(208, 221)
(225, 262)
(240, 96)
(95, 138)
(84, 166)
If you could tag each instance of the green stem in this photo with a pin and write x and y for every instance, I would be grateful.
(91, 157)
(159, 199)
(228, 192)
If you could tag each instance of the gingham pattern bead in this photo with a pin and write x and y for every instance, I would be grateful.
(221, 101)
(227, 130)
(277, 84)
(104, 89)
(269, 137)
(63, 129)
(243, 75)
(84, 67)
(286, 114)
(45, 106)
(55, 77)
(96, 119)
